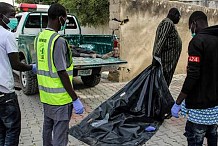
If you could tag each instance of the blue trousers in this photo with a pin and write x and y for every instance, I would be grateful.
(195, 134)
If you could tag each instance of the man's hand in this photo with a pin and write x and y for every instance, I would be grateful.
(34, 69)
(175, 110)
(78, 106)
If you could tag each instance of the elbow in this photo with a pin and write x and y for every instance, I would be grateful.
(194, 75)
(15, 67)
(62, 74)
(193, 72)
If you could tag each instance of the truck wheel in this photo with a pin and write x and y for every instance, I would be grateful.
(28, 82)
(91, 80)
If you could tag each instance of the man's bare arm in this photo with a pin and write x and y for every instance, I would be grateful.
(16, 64)
(67, 84)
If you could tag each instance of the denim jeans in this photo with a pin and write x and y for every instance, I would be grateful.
(10, 120)
(195, 134)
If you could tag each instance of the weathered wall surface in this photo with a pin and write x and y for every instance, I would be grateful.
(104, 29)
(137, 36)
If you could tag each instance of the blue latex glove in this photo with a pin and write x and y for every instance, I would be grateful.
(175, 110)
(34, 69)
(78, 106)
(150, 128)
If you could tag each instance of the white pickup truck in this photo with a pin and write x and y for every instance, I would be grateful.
(34, 19)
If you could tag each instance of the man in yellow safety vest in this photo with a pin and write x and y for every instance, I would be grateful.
(55, 74)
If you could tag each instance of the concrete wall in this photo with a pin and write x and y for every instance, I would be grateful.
(137, 36)
(208, 3)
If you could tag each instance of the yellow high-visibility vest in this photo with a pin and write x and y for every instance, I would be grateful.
(51, 89)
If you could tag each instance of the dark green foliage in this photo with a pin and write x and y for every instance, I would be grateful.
(89, 12)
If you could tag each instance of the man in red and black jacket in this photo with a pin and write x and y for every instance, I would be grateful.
(200, 89)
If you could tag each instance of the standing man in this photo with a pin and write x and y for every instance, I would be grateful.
(200, 89)
(10, 116)
(55, 74)
(168, 44)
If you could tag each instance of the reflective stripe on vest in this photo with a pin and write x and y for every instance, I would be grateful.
(50, 86)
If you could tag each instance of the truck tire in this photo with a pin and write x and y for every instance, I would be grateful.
(28, 82)
(91, 80)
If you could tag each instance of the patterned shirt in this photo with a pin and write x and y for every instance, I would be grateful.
(167, 46)
(201, 116)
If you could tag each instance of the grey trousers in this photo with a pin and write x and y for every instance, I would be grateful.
(55, 133)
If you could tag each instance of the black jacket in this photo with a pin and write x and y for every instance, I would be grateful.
(201, 83)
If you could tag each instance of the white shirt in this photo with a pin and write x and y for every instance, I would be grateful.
(7, 45)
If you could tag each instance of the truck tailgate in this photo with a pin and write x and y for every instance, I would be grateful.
(81, 62)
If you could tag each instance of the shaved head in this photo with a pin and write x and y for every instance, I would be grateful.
(6, 11)
(174, 14)
(197, 21)
(197, 16)
(56, 10)
(5, 7)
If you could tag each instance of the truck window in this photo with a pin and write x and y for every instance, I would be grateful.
(18, 18)
(71, 24)
(33, 21)
(44, 21)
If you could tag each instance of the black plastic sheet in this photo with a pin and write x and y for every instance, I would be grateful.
(122, 119)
